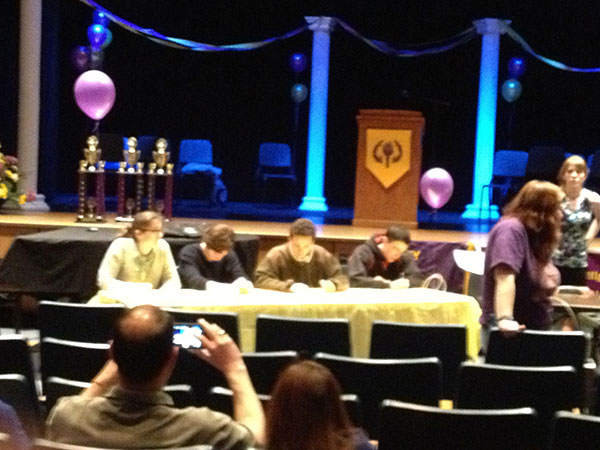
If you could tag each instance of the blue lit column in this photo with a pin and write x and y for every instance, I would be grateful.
(314, 198)
(490, 30)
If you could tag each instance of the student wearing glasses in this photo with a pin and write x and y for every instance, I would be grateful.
(141, 258)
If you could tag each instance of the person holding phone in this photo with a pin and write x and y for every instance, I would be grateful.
(125, 406)
(519, 276)
(141, 258)
(211, 263)
(300, 264)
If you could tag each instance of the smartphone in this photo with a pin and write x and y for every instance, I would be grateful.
(186, 335)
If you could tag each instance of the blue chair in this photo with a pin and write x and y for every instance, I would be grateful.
(508, 173)
(275, 162)
(196, 157)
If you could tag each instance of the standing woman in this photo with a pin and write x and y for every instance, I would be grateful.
(581, 210)
(305, 412)
(519, 276)
(140, 256)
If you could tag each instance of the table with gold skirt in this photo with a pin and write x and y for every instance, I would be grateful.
(360, 306)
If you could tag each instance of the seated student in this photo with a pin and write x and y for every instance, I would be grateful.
(211, 262)
(140, 258)
(300, 264)
(125, 406)
(305, 412)
(385, 262)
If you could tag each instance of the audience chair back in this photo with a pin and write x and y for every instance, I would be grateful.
(77, 321)
(228, 321)
(546, 389)
(574, 432)
(419, 427)
(408, 340)
(275, 333)
(15, 391)
(264, 368)
(45, 444)
(416, 380)
(72, 360)
(16, 359)
(221, 399)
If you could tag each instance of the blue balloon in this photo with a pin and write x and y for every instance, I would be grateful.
(516, 67)
(298, 93)
(511, 90)
(96, 35)
(100, 18)
(298, 62)
(108, 40)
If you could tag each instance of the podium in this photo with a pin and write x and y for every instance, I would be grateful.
(388, 167)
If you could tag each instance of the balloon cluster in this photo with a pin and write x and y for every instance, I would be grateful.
(299, 91)
(512, 88)
(99, 36)
(94, 90)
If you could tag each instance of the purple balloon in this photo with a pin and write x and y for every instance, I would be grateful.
(436, 187)
(80, 58)
(94, 93)
(96, 35)
(100, 18)
(516, 66)
(298, 62)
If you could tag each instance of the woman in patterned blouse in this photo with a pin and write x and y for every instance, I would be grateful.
(581, 211)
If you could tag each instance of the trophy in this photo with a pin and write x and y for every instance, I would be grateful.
(161, 171)
(130, 182)
(91, 208)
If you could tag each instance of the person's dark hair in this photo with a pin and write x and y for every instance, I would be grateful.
(142, 221)
(219, 237)
(537, 206)
(398, 233)
(305, 411)
(303, 227)
(142, 342)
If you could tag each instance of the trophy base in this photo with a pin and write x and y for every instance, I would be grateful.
(90, 219)
(124, 219)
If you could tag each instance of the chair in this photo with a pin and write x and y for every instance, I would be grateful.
(77, 321)
(264, 368)
(72, 360)
(226, 320)
(275, 162)
(275, 333)
(574, 432)
(15, 390)
(16, 359)
(407, 340)
(418, 427)
(543, 163)
(373, 380)
(507, 173)
(57, 387)
(196, 157)
(546, 389)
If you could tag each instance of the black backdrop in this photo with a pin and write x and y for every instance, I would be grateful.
(241, 99)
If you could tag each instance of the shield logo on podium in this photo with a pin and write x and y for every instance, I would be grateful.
(388, 154)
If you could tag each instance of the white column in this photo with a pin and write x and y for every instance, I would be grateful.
(314, 198)
(490, 29)
(30, 55)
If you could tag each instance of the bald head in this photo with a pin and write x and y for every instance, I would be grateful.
(142, 342)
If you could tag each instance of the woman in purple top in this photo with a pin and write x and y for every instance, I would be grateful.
(519, 276)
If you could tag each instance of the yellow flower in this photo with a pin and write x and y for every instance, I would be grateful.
(22, 199)
(3, 191)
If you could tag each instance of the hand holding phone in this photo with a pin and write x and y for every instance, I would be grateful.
(186, 335)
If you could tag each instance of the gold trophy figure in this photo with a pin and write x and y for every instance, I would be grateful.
(131, 155)
(92, 153)
(161, 155)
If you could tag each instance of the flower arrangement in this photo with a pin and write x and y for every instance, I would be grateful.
(9, 178)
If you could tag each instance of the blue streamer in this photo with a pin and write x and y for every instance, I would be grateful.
(551, 62)
(185, 44)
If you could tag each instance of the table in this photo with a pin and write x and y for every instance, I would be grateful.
(360, 306)
(66, 261)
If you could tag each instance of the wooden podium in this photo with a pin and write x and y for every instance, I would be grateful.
(388, 167)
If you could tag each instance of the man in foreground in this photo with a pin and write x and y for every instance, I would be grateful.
(125, 406)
